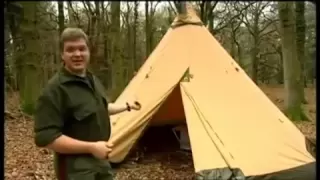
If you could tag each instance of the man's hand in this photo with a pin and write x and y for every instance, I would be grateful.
(135, 105)
(101, 149)
(121, 107)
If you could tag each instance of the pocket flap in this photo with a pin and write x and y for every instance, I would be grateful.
(84, 111)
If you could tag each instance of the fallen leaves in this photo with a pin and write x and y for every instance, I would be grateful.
(157, 166)
(22, 159)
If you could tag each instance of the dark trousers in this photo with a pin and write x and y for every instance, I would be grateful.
(89, 175)
(83, 168)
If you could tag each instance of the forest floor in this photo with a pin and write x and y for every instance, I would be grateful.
(24, 161)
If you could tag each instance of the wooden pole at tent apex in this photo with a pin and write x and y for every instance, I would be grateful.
(186, 10)
(181, 7)
(187, 14)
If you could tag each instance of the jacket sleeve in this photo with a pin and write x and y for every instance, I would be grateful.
(48, 118)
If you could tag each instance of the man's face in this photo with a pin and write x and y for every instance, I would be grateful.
(76, 55)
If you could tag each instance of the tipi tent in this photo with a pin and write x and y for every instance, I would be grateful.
(234, 129)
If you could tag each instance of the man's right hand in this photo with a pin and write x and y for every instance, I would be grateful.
(101, 149)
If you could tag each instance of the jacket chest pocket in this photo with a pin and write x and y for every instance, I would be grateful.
(85, 111)
(86, 124)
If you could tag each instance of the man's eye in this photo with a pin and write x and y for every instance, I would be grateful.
(70, 50)
(82, 48)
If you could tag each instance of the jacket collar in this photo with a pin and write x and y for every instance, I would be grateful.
(66, 76)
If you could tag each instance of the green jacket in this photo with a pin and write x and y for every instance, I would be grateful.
(76, 107)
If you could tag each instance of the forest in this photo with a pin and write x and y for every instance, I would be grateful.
(274, 43)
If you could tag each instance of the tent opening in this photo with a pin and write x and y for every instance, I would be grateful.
(158, 147)
(171, 111)
(171, 116)
(167, 129)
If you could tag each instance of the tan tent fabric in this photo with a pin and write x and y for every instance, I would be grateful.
(150, 87)
(248, 123)
(231, 122)
(204, 151)
(257, 145)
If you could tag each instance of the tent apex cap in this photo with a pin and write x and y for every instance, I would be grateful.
(190, 17)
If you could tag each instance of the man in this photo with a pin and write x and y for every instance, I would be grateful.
(72, 115)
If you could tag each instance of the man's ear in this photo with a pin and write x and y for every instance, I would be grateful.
(61, 56)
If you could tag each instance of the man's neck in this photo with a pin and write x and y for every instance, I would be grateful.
(77, 73)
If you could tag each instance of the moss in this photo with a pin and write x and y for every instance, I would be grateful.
(296, 114)
(28, 108)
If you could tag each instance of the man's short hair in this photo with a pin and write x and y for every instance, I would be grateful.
(71, 34)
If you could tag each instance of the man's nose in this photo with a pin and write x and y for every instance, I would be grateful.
(76, 53)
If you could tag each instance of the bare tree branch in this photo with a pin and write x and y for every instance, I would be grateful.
(176, 4)
(129, 7)
(86, 9)
(153, 9)
(123, 16)
(172, 8)
(269, 32)
(246, 22)
(263, 7)
(74, 13)
(267, 25)
(202, 9)
(268, 53)
(124, 19)
(107, 17)
(53, 17)
(275, 18)
(244, 18)
(89, 7)
(213, 6)
(268, 65)
(236, 17)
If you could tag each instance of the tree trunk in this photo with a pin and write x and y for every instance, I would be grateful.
(239, 50)
(8, 61)
(30, 89)
(61, 16)
(117, 64)
(291, 66)
(61, 28)
(136, 63)
(236, 45)
(129, 62)
(232, 35)
(280, 72)
(72, 19)
(255, 49)
(147, 29)
(107, 80)
(98, 59)
(92, 35)
(301, 36)
(170, 16)
(14, 24)
(181, 7)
